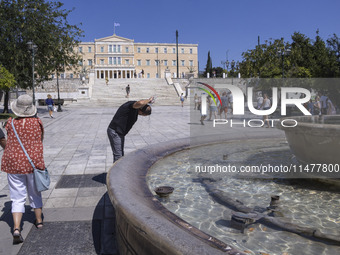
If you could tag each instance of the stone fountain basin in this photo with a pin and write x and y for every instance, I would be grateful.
(143, 225)
(315, 139)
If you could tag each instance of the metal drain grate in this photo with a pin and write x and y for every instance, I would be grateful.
(60, 238)
(81, 181)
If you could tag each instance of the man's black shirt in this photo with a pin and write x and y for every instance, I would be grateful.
(125, 118)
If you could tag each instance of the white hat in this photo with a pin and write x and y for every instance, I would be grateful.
(23, 106)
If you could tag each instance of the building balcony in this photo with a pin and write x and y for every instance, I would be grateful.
(114, 66)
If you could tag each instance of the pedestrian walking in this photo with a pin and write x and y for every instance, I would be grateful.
(124, 119)
(2, 139)
(182, 99)
(266, 106)
(323, 102)
(331, 110)
(196, 101)
(231, 100)
(259, 102)
(15, 163)
(212, 108)
(49, 102)
(224, 106)
(127, 89)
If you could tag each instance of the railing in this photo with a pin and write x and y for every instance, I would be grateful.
(114, 66)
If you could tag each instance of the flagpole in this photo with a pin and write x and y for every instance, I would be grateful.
(114, 28)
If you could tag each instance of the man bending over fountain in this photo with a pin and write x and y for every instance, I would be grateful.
(125, 117)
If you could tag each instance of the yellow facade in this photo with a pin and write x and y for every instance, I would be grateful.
(116, 57)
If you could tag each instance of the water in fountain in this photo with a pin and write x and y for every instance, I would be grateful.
(303, 202)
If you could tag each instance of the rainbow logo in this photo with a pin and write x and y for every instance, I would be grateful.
(208, 92)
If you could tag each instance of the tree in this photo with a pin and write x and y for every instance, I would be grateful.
(218, 71)
(208, 68)
(264, 61)
(7, 81)
(307, 58)
(45, 23)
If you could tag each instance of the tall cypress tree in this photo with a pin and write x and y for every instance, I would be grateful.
(208, 68)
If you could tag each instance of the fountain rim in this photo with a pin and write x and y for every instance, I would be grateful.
(308, 125)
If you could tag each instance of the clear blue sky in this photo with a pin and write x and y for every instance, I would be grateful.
(216, 25)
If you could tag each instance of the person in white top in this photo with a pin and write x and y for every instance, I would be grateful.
(225, 104)
(330, 107)
(323, 102)
(230, 95)
(259, 101)
(265, 106)
(213, 108)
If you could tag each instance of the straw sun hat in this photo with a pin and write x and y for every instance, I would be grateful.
(23, 106)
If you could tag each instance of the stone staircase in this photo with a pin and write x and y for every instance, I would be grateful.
(114, 93)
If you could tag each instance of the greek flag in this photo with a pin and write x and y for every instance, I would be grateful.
(116, 24)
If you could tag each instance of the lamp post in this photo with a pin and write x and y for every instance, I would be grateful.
(59, 103)
(227, 66)
(32, 47)
(238, 68)
(282, 53)
(57, 69)
(232, 66)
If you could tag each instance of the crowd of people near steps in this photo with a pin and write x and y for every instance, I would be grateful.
(321, 104)
(214, 106)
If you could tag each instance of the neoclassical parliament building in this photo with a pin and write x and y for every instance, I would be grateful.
(115, 57)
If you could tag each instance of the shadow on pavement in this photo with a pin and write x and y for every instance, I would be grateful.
(6, 216)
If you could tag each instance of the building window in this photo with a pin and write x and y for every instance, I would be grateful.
(114, 48)
(139, 62)
(110, 60)
(119, 60)
(147, 62)
(102, 49)
(165, 50)
(174, 50)
(190, 51)
(156, 62)
(126, 49)
(156, 50)
(118, 48)
(89, 49)
(138, 50)
(182, 62)
(80, 62)
(115, 60)
(174, 62)
(62, 76)
(89, 62)
(156, 75)
(127, 62)
(80, 49)
(110, 48)
(165, 62)
(148, 75)
(147, 50)
(102, 61)
(182, 50)
(191, 63)
(71, 75)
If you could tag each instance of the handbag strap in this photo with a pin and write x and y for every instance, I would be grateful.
(22, 146)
